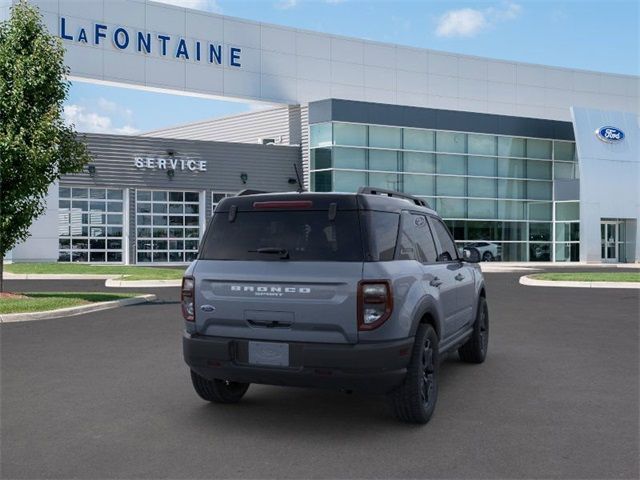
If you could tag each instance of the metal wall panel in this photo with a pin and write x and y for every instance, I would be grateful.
(268, 167)
(281, 124)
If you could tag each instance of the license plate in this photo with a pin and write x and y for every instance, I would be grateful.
(267, 353)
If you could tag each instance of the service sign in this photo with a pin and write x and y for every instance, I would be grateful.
(609, 134)
(171, 163)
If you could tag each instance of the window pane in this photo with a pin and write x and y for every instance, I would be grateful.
(540, 232)
(538, 148)
(567, 252)
(482, 209)
(511, 167)
(448, 249)
(159, 196)
(64, 192)
(193, 197)
(451, 142)
(451, 186)
(383, 160)
(564, 150)
(419, 162)
(348, 181)
(567, 232)
(539, 170)
(418, 184)
(350, 134)
(350, 158)
(389, 181)
(510, 210)
(321, 181)
(482, 187)
(564, 171)
(539, 252)
(567, 211)
(539, 190)
(143, 196)
(176, 196)
(384, 228)
(80, 192)
(320, 158)
(482, 144)
(511, 189)
(453, 164)
(385, 137)
(539, 211)
(419, 139)
(97, 193)
(114, 194)
(320, 135)
(511, 147)
(482, 166)
(452, 208)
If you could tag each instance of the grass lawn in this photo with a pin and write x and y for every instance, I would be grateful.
(590, 276)
(129, 272)
(41, 302)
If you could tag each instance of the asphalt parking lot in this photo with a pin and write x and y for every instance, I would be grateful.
(106, 395)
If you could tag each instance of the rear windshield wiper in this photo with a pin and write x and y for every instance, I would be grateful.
(283, 252)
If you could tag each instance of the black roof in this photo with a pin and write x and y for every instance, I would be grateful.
(322, 201)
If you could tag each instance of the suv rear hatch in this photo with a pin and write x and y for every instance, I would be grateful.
(282, 268)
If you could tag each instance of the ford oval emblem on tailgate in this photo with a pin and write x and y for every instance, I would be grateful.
(208, 308)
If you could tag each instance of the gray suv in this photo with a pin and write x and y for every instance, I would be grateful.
(357, 292)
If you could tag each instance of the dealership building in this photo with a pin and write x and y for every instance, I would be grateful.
(527, 162)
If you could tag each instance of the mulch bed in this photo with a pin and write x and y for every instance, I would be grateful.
(13, 296)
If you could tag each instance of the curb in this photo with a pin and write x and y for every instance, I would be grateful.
(116, 283)
(113, 281)
(532, 282)
(47, 276)
(72, 311)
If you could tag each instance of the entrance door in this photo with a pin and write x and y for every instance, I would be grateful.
(609, 241)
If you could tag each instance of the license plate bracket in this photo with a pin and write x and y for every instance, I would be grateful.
(269, 353)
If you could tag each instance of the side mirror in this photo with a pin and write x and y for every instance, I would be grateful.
(471, 255)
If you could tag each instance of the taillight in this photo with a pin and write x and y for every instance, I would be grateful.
(375, 303)
(187, 299)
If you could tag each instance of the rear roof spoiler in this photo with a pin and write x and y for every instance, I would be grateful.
(391, 193)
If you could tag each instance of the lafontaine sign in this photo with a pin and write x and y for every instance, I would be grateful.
(609, 134)
(171, 163)
(155, 44)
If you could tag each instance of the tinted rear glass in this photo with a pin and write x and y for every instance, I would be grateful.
(303, 235)
(382, 230)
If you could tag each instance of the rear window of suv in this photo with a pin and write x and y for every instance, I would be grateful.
(284, 235)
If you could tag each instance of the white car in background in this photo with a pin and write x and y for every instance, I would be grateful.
(488, 251)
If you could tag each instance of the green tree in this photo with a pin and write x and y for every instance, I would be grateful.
(36, 146)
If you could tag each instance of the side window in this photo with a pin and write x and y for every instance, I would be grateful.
(416, 242)
(447, 251)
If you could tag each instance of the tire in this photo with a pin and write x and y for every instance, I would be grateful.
(487, 257)
(475, 349)
(218, 391)
(415, 400)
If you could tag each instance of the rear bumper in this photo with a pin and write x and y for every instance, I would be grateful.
(373, 367)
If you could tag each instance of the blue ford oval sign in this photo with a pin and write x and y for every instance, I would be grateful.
(610, 134)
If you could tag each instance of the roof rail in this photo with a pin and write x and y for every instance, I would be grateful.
(249, 191)
(392, 193)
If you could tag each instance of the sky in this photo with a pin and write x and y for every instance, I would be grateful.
(600, 35)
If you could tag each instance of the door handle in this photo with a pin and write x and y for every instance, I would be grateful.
(459, 277)
(436, 282)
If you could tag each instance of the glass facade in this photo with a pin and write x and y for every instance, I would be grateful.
(490, 189)
(90, 225)
(167, 226)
